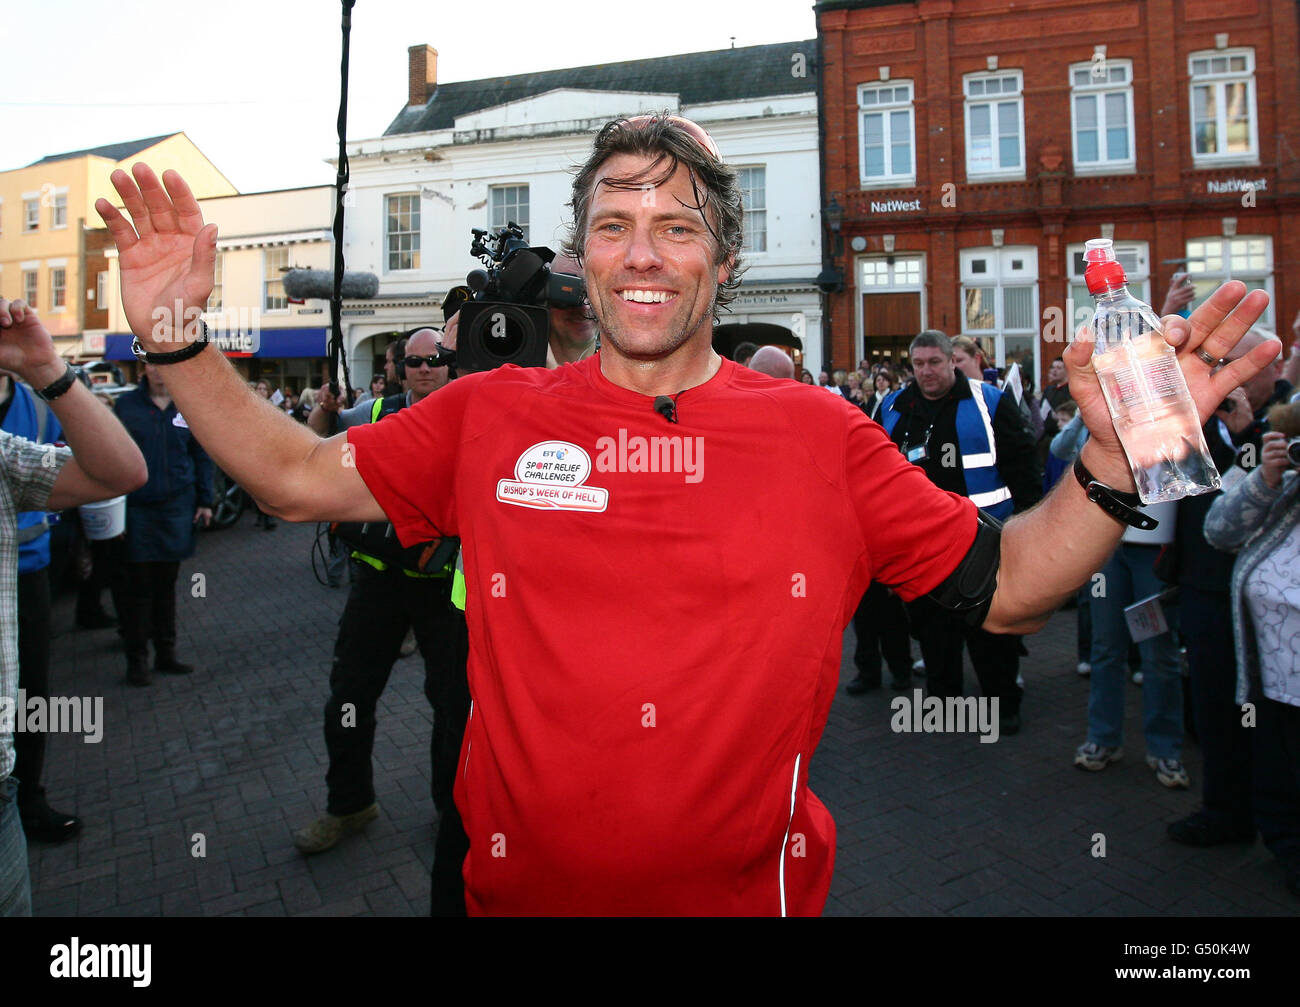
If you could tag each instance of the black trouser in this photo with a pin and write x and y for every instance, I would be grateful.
(105, 555)
(1275, 796)
(33, 679)
(880, 623)
(1206, 623)
(148, 608)
(447, 896)
(381, 606)
(995, 657)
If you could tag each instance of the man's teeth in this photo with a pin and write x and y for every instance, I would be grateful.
(648, 296)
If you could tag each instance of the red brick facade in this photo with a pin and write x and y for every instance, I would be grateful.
(1164, 199)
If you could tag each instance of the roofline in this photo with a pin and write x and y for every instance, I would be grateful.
(644, 59)
(265, 192)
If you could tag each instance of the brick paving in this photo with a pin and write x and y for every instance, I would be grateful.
(927, 824)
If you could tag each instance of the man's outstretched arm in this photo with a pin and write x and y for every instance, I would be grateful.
(167, 261)
(1081, 535)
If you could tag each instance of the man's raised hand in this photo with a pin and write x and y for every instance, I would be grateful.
(167, 259)
(1214, 328)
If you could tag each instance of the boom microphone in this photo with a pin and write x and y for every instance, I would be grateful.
(303, 284)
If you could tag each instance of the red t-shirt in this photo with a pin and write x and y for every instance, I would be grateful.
(655, 616)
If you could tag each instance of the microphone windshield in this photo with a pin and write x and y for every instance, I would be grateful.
(305, 284)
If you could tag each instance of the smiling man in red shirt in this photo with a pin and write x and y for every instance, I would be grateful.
(648, 688)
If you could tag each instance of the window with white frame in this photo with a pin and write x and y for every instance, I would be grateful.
(999, 291)
(31, 213)
(402, 231)
(886, 126)
(59, 211)
(995, 125)
(1224, 127)
(1214, 261)
(1132, 255)
(218, 276)
(893, 272)
(753, 191)
(30, 281)
(274, 261)
(509, 203)
(1101, 114)
(58, 288)
(101, 290)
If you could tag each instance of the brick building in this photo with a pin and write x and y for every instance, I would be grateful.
(972, 148)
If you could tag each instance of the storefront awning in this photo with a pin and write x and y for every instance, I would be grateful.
(272, 344)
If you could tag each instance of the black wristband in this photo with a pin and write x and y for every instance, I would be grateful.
(58, 386)
(176, 356)
(1118, 504)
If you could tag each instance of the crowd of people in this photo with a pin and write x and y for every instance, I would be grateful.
(1233, 625)
(468, 519)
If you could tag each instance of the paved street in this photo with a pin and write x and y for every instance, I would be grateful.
(928, 824)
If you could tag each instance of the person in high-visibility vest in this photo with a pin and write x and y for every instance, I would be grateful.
(384, 602)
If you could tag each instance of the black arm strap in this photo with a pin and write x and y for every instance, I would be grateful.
(968, 590)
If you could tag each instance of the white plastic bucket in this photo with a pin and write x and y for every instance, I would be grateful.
(105, 519)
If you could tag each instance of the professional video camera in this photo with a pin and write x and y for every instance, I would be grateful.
(503, 312)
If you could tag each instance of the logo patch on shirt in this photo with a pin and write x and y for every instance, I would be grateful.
(550, 476)
(179, 421)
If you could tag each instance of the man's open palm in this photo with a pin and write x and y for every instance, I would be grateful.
(166, 259)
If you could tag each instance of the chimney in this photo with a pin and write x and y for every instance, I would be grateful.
(422, 75)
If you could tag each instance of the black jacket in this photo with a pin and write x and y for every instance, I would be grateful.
(1014, 440)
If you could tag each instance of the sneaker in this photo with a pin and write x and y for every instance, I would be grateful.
(1136, 678)
(860, 685)
(1084, 669)
(327, 830)
(1170, 772)
(1093, 757)
(918, 665)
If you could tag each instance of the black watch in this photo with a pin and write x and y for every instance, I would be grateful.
(1116, 503)
(176, 356)
(59, 385)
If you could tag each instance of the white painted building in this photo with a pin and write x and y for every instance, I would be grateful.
(480, 153)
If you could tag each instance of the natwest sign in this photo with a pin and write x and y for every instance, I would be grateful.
(895, 205)
(1221, 185)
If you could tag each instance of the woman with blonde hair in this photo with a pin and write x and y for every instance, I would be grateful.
(968, 358)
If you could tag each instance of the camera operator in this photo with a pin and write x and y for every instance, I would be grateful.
(572, 337)
(386, 600)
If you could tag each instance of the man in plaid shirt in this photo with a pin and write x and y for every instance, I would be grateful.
(101, 461)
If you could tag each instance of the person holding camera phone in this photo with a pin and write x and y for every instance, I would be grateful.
(648, 688)
(1203, 575)
(1258, 518)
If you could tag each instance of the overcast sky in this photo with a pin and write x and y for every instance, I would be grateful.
(254, 83)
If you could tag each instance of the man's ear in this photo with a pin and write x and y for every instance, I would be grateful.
(725, 268)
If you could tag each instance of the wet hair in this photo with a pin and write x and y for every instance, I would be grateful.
(669, 145)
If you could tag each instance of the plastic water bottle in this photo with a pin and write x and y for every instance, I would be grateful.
(1154, 414)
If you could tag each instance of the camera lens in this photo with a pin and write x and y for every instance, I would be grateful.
(1293, 451)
